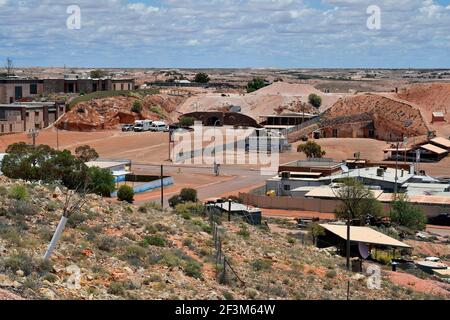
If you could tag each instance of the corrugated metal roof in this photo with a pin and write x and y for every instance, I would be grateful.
(442, 141)
(434, 149)
(364, 235)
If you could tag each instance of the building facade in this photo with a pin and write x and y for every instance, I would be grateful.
(16, 118)
(16, 90)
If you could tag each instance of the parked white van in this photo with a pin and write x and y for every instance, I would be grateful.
(159, 126)
(142, 125)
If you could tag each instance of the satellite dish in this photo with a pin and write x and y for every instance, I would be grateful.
(363, 250)
(345, 169)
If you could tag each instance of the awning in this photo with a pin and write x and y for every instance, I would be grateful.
(364, 235)
(434, 149)
(442, 142)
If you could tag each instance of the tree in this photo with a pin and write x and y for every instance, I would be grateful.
(311, 149)
(101, 181)
(86, 153)
(137, 107)
(315, 100)
(126, 193)
(187, 121)
(97, 74)
(315, 231)
(186, 195)
(256, 84)
(9, 66)
(358, 200)
(202, 78)
(42, 163)
(405, 214)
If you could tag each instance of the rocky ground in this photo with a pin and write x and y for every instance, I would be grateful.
(120, 251)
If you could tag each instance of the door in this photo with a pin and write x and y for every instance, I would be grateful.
(18, 93)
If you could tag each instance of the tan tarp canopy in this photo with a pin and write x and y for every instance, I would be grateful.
(434, 149)
(364, 235)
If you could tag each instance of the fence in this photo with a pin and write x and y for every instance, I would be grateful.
(226, 273)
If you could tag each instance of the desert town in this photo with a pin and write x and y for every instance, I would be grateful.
(358, 151)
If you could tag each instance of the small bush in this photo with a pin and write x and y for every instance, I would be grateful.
(19, 192)
(76, 219)
(261, 265)
(136, 108)
(193, 269)
(106, 243)
(134, 255)
(243, 232)
(331, 274)
(116, 288)
(126, 193)
(154, 240)
(21, 208)
(171, 260)
(191, 209)
(20, 261)
(150, 206)
(189, 195)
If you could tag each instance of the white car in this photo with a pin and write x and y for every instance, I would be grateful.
(159, 126)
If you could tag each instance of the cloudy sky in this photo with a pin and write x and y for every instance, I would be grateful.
(226, 33)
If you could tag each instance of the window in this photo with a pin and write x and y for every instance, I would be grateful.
(2, 115)
(18, 93)
(287, 188)
(27, 114)
(36, 113)
(121, 87)
(33, 88)
(335, 133)
(3, 128)
(10, 127)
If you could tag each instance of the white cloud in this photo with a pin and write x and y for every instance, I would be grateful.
(111, 28)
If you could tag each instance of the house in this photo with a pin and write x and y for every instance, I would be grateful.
(15, 90)
(285, 121)
(438, 117)
(119, 169)
(22, 117)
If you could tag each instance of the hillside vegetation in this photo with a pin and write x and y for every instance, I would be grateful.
(119, 251)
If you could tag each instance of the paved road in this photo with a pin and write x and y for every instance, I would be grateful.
(232, 179)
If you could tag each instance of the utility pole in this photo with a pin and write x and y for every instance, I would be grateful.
(396, 172)
(229, 210)
(162, 186)
(57, 138)
(349, 220)
(33, 134)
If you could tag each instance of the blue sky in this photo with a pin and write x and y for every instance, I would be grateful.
(227, 33)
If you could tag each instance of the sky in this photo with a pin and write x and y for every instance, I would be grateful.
(226, 33)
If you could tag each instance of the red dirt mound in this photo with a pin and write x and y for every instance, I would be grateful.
(390, 117)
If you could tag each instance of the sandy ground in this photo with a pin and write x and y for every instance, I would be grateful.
(420, 285)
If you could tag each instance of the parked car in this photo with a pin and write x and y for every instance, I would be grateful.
(127, 127)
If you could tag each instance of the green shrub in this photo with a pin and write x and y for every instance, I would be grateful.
(195, 209)
(126, 193)
(243, 232)
(261, 265)
(145, 208)
(20, 261)
(331, 274)
(106, 243)
(76, 219)
(193, 269)
(189, 195)
(171, 260)
(101, 181)
(154, 240)
(116, 288)
(19, 192)
(137, 107)
(134, 255)
(21, 208)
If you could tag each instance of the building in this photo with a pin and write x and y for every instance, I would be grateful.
(285, 120)
(22, 117)
(262, 140)
(12, 90)
(217, 118)
(15, 90)
(299, 174)
(442, 143)
(353, 126)
(438, 117)
(119, 169)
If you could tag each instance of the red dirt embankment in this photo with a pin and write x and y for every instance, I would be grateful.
(388, 115)
(107, 113)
